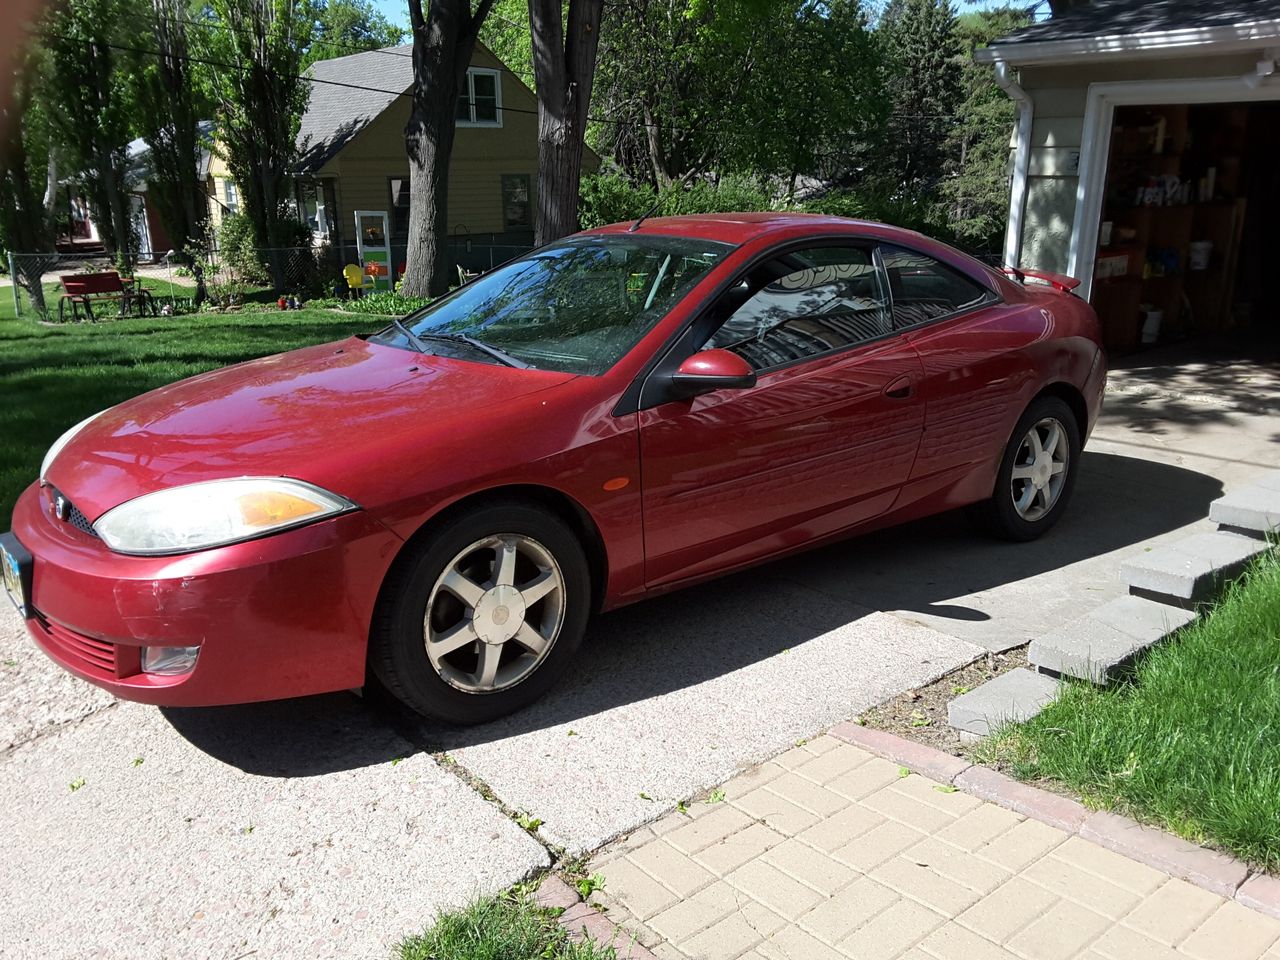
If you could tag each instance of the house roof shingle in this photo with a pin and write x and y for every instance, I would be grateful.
(336, 114)
(1114, 18)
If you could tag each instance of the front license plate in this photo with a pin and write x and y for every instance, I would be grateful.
(15, 570)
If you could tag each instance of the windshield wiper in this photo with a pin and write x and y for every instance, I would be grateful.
(498, 354)
(409, 335)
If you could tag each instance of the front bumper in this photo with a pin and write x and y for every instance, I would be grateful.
(283, 616)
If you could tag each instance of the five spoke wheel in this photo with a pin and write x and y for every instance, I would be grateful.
(1040, 469)
(494, 613)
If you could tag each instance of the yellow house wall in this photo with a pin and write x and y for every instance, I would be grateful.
(481, 156)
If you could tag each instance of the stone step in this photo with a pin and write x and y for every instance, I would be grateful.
(1191, 570)
(1254, 509)
(1011, 697)
(1099, 645)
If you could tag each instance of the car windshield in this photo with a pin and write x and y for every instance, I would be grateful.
(576, 306)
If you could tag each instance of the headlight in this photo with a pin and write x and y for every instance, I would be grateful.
(213, 514)
(63, 440)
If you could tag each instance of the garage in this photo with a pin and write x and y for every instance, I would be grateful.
(1144, 163)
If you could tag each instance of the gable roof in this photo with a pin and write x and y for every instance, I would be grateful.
(336, 113)
(1148, 27)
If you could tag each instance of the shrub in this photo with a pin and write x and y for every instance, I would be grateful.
(612, 198)
(385, 304)
(238, 250)
(911, 212)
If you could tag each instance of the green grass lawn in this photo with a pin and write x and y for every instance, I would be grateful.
(506, 927)
(54, 376)
(1192, 744)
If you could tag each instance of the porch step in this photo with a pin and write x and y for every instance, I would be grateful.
(1254, 510)
(1191, 570)
(1009, 698)
(1097, 646)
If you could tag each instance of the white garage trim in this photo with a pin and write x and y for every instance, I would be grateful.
(1095, 146)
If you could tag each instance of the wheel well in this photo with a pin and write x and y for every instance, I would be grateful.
(1073, 399)
(555, 502)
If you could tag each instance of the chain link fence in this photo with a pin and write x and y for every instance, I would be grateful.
(35, 280)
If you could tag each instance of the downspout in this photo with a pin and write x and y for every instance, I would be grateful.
(1021, 163)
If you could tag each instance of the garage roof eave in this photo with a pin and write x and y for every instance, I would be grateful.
(1166, 43)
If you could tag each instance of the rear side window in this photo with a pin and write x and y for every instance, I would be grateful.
(924, 289)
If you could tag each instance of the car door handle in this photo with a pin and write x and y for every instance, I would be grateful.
(899, 389)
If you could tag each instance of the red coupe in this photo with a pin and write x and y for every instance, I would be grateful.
(442, 505)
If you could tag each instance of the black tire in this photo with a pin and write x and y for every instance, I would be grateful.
(397, 650)
(999, 515)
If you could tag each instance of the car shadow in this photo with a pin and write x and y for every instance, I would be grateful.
(694, 635)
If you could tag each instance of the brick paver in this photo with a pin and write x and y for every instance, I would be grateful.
(830, 853)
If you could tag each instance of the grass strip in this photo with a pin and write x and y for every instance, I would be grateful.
(1190, 743)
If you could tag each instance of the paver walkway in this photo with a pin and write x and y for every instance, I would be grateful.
(829, 852)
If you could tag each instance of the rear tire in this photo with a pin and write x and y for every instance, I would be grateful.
(1037, 473)
(482, 615)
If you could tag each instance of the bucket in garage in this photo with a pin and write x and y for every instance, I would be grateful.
(1151, 325)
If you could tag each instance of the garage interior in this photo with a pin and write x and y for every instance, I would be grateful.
(1189, 226)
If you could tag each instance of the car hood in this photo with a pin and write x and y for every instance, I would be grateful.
(315, 414)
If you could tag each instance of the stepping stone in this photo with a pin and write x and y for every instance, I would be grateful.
(1009, 698)
(1254, 509)
(1192, 570)
(1097, 646)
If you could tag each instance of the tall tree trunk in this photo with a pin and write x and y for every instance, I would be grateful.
(443, 42)
(564, 67)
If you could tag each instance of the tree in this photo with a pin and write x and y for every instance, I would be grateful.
(564, 64)
(506, 32)
(25, 158)
(169, 108)
(92, 117)
(977, 190)
(348, 26)
(921, 47)
(260, 105)
(443, 40)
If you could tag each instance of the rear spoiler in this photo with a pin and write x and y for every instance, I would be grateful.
(1058, 281)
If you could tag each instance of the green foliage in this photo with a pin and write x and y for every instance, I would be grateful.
(238, 250)
(920, 44)
(977, 193)
(385, 304)
(904, 209)
(344, 27)
(506, 927)
(25, 149)
(613, 198)
(260, 105)
(1190, 744)
(506, 32)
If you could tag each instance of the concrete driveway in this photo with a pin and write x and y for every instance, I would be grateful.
(325, 827)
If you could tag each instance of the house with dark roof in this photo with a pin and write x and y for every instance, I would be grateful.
(1146, 160)
(353, 162)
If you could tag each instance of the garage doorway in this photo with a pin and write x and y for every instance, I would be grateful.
(1191, 208)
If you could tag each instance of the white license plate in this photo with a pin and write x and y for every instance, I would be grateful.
(15, 571)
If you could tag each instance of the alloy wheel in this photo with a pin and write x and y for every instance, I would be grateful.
(1040, 469)
(494, 613)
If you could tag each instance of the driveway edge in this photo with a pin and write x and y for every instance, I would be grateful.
(582, 921)
(1213, 871)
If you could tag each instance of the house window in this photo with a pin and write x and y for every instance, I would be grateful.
(480, 101)
(516, 210)
(399, 206)
(232, 197)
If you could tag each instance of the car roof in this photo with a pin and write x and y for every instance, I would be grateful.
(739, 228)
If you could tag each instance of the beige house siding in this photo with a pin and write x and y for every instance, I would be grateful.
(481, 156)
(1059, 94)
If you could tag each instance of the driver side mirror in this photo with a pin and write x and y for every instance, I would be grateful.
(710, 370)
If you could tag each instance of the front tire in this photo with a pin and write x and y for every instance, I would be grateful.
(483, 614)
(1037, 473)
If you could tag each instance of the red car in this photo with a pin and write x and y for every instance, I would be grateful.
(443, 505)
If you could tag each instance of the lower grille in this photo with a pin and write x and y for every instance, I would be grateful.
(95, 657)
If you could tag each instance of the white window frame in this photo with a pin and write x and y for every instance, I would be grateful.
(231, 197)
(472, 73)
